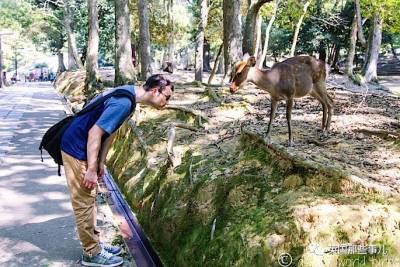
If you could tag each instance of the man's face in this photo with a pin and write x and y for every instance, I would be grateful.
(159, 98)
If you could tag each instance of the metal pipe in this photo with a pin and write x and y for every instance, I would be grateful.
(136, 241)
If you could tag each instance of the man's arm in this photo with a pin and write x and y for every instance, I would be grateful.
(103, 154)
(93, 148)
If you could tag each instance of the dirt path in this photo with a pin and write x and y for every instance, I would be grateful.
(37, 226)
(391, 83)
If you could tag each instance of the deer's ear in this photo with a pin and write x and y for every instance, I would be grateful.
(251, 61)
(246, 57)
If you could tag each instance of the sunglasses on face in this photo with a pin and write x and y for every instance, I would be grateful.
(161, 90)
(167, 97)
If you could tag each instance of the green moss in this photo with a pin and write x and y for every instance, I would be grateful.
(241, 191)
(341, 235)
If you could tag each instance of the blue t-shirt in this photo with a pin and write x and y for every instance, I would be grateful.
(108, 116)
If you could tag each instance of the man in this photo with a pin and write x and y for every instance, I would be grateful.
(84, 148)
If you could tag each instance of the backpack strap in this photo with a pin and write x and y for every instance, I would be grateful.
(102, 99)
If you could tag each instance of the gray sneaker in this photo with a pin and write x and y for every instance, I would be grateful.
(115, 250)
(102, 259)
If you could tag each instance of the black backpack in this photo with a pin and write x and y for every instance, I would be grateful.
(51, 140)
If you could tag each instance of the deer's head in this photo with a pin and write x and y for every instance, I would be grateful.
(240, 71)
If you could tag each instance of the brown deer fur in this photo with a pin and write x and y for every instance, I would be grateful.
(293, 78)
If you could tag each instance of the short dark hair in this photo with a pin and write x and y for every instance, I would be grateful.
(157, 80)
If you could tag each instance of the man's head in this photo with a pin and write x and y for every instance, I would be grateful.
(158, 89)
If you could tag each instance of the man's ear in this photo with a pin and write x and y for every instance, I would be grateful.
(154, 91)
(251, 61)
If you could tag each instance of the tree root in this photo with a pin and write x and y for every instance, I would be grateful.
(171, 139)
(326, 143)
(387, 135)
(196, 113)
(345, 182)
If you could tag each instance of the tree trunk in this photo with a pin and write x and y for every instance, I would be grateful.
(206, 56)
(164, 57)
(374, 44)
(144, 42)
(92, 68)
(322, 51)
(124, 71)
(331, 54)
(249, 36)
(393, 50)
(360, 31)
(258, 37)
(352, 47)
(185, 59)
(134, 58)
(61, 65)
(267, 33)
(216, 64)
(73, 58)
(221, 68)
(202, 6)
(296, 31)
(336, 58)
(211, 92)
(232, 33)
(171, 36)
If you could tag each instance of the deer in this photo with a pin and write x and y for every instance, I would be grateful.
(292, 78)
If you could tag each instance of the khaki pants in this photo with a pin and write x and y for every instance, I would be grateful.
(83, 204)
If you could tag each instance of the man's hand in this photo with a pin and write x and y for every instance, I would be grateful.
(90, 180)
(100, 170)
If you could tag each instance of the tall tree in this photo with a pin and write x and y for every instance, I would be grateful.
(91, 64)
(267, 33)
(258, 37)
(74, 61)
(249, 35)
(171, 35)
(202, 6)
(297, 29)
(144, 42)
(352, 47)
(360, 32)
(124, 71)
(61, 66)
(232, 33)
(206, 56)
(374, 44)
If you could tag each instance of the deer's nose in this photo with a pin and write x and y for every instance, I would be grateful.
(232, 88)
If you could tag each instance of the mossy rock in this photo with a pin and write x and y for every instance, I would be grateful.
(292, 182)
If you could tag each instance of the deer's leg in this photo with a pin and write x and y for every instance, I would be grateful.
(324, 108)
(330, 112)
(289, 107)
(323, 93)
(274, 105)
